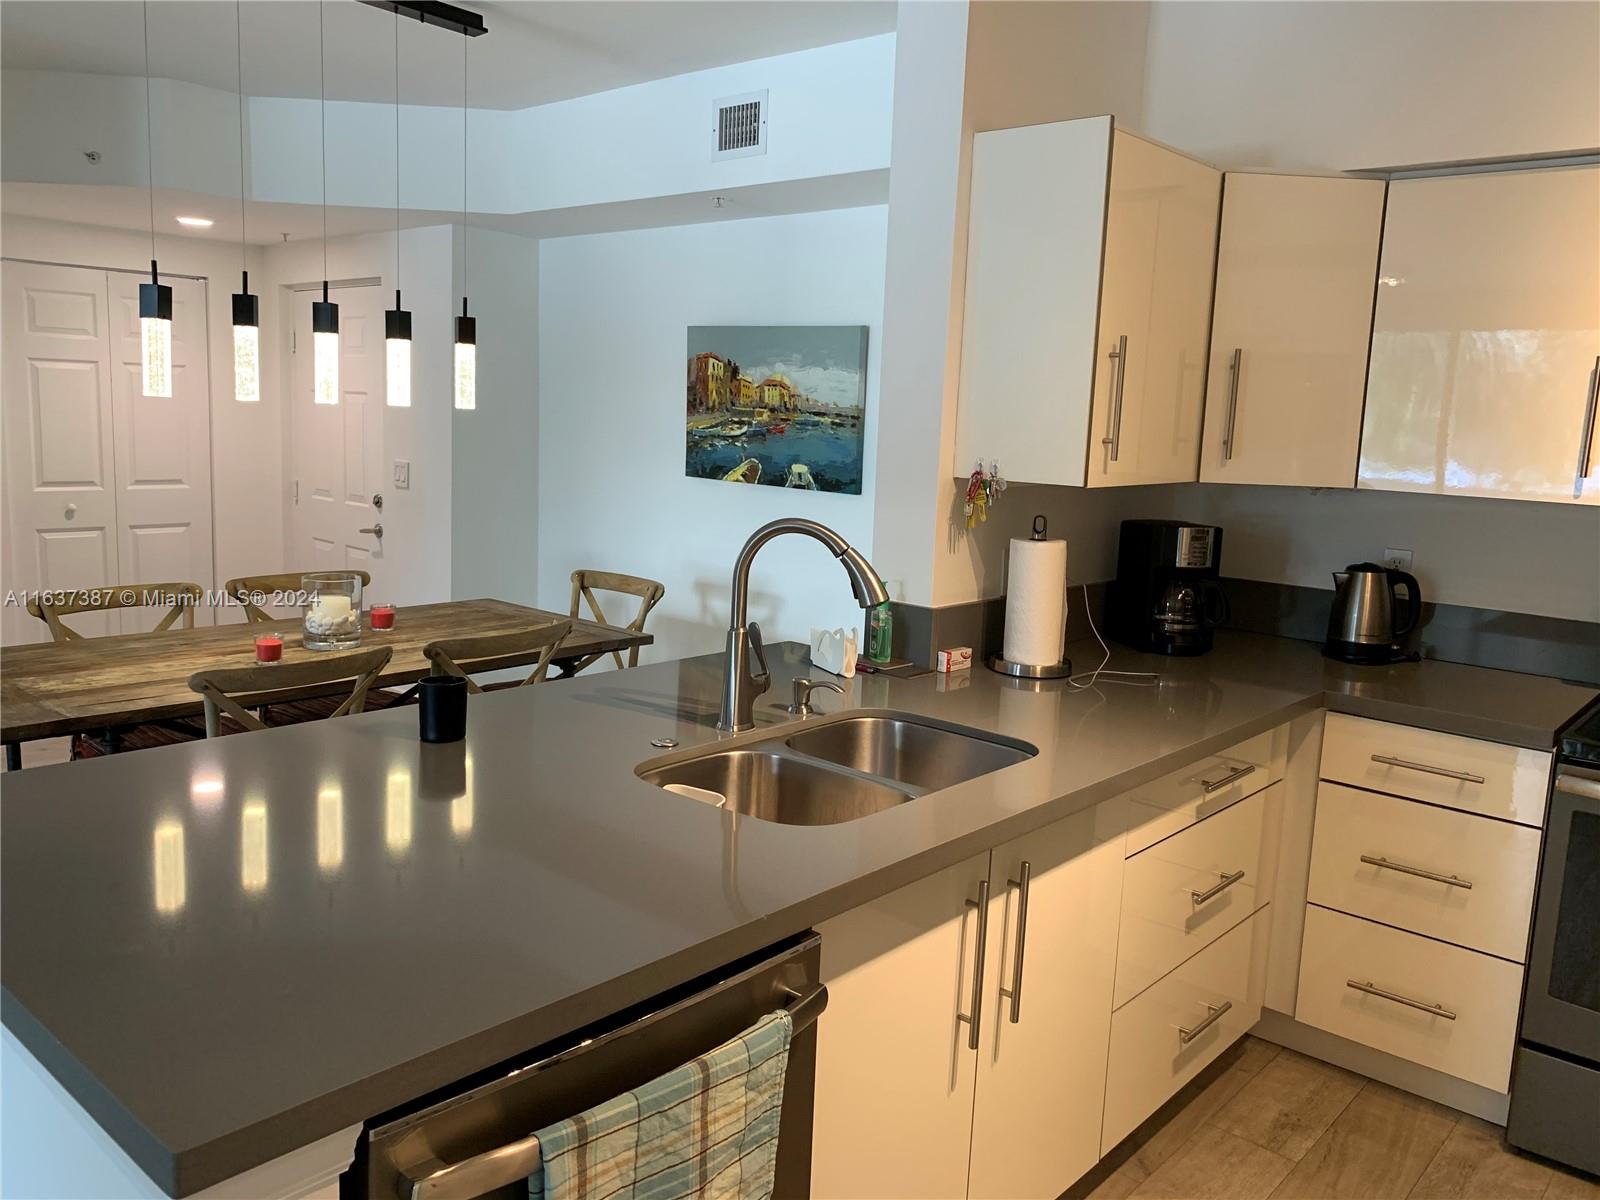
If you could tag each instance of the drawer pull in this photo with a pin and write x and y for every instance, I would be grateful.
(1216, 785)
(1372, 989)
(1419, 872)
(1222, 885)
(1213, 1015)
(1389, 760)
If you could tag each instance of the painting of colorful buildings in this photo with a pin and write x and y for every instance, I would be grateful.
(780, 405)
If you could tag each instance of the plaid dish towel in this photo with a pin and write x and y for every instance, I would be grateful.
(706, 1130)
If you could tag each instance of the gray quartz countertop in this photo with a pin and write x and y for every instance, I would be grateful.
(229, 949)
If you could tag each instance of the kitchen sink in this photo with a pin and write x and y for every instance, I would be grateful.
(838, 770)
(926, 757)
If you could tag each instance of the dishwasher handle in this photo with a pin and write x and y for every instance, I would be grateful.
(471, 1177)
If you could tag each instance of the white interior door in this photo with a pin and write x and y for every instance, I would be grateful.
(162, 449)
(60, 483)
(338, 449)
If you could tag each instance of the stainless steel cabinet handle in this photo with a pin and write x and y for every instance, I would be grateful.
(1113, 438)
(375, 530)
(1222, 885)
(1014, 992)
(1389, 760)
(1233, 404)
(1419, 872)
(1216, 785)
(981, 904)
(1372, 989)
(1586, 448)
(1213, 1015)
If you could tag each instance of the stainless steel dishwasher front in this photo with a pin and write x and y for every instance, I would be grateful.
(477, 1142)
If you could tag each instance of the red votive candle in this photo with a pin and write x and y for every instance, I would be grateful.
(383, 616)
(269, 648)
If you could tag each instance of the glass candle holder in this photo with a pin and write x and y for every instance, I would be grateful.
(333, 610)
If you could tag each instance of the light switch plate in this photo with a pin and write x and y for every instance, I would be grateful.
(402, 473)
(1397, 560)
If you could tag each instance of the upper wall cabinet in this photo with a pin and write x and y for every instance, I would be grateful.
(1486, 339)
(1297, 262)
(1090, 259)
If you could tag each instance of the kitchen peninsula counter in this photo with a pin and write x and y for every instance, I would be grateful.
(230, 949)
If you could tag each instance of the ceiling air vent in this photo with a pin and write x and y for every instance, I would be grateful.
(740, 127)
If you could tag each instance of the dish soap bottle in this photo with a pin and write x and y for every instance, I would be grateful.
(880, 633)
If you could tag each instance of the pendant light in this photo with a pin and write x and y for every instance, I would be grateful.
(397, 321)
(324, 313)
(466, 327)
(246, 307)
(155, 298)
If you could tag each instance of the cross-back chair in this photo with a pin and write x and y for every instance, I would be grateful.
(466, 656)
(584, 586)
(180, 599)
(246, 587)
(268, 683)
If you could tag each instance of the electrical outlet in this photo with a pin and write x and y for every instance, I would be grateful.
(402, 474)
(1397, 560)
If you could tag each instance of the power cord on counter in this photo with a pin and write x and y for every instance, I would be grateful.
(1130, 678)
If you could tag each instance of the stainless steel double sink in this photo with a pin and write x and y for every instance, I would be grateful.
(837, 769)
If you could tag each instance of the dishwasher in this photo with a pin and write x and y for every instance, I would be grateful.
(475, 1140)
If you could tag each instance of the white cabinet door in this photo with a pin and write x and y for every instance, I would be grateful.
(1046, 1021)
(1486, 338)
(1155, 315)
(894, 1087)
(1297, 262)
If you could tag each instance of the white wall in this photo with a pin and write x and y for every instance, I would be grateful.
(1341, 86)
(614, 311)
(246, 450)
(495, 448)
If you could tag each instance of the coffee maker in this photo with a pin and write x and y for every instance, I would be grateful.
(1166, 598)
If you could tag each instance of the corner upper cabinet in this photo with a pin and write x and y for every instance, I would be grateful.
(1297, 262)
(1486, 338)
(1090, 259)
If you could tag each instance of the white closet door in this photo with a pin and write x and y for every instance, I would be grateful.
(1486, 338)
(60, 489)
(163, 449)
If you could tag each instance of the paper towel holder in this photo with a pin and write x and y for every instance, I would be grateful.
(999, 662)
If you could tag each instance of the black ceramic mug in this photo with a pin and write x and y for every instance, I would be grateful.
(442, 708)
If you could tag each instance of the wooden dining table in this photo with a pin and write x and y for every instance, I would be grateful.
(102, 684)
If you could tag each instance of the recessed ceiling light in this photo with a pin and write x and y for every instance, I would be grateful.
(197, 222)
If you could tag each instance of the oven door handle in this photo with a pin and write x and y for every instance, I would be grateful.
(1577, 785)
(438, 1180)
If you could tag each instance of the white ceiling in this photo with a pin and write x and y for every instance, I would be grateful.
(536, 51)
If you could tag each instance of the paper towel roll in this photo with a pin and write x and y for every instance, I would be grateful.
(1036, 602)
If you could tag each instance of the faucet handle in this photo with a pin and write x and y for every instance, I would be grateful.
(753, 634)
(801, 705)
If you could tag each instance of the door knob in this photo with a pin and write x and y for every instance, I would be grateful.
(375, 530)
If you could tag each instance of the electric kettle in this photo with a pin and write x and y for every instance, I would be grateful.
(1363, 627)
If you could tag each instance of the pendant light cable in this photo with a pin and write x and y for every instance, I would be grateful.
(238, 37)
(397, 156)
(149, 129)
(322, 89)
(464, 42)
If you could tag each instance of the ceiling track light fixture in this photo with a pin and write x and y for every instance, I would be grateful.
(466, 352)
(397, 321)
(246, 307)
(431, 12)
(155, 297)
(324, 313)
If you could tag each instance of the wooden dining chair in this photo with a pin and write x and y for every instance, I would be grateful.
(584, 586)
(245, 587)
(180, 599)
(466, 656)
(272, 683)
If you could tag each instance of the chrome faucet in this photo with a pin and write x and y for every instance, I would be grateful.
(741, 685)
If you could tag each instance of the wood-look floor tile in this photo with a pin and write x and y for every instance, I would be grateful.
(1215, 1165)
(1289, 1104)
(1476, 1164)
(1376, 1150)
(1569, 1185)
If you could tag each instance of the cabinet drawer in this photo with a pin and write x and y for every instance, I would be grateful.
(1177, 898)
(1479, 992)
(1172, 803)
(1150, 1058)
(1458, 772)
(1499, 861)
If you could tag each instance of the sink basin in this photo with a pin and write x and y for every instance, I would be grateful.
(924, 757)
(763, 782)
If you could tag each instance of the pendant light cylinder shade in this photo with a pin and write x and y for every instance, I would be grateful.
(155, 335)
(246, 345)
(397, 355)
(466, 360)
(325, 349)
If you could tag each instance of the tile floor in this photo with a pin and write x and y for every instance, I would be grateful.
(1276, 1124)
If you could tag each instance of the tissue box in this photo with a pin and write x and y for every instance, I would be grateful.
(958, 659)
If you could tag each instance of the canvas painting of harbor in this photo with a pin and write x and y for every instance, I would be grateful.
(780, 405)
